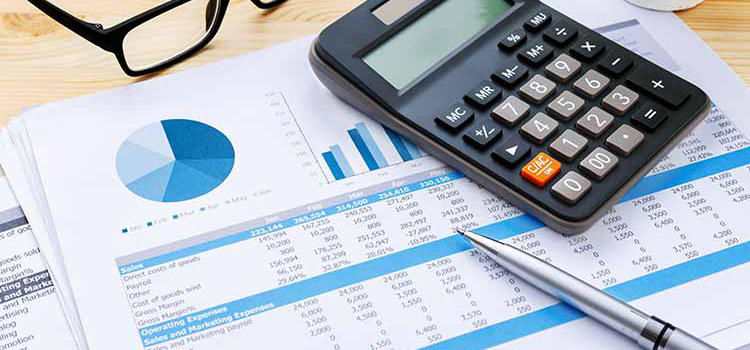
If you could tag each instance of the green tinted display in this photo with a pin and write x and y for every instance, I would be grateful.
(429, 39)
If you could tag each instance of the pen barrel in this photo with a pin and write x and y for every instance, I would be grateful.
(573, 291)
(680, 340)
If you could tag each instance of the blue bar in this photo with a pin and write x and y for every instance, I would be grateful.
(398, 142)
(370, 142)
(341, 159)
(413, 150)
(363, 150)
(338, 174)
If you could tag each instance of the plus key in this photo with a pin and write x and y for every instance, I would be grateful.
(659, 84)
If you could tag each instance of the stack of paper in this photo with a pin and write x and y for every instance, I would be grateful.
(241, 204)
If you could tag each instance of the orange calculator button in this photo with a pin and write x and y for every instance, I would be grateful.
(541, 169)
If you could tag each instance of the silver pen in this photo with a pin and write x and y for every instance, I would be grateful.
(650, 332)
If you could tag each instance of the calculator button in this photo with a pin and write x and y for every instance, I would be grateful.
(588, 48)
(616, 63)
(595, 122)
(571, 188)
(484, 94)
(539, 128)
(649, 117)
(659, 84)
(538, 22)
(541, 169)
(591, 84)
(511, 73)
(536, 54)
(538, 89)
(483, 134)
(625, 139)
(455, 117)
(569, 145)
(511, 151)
(511, 111)
(566, 106)
(512, 40)
(599, 163)
(561, 33)
(620, 100)
(563, 68)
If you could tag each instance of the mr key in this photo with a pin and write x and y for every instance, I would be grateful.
(539, 109)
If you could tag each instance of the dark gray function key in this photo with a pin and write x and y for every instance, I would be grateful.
(483, 134)
(455, 117)
(589, 47)
(484, 94)
(616, 63)
(511, 151)
(536, 53)
(512, 40)
(538, 21)
(511, 73)
(562, 32)
(649, 117)
(660, 84)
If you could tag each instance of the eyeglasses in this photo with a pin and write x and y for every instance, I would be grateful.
(157, 38)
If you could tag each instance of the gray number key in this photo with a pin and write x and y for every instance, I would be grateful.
(620, 100)
(566, 105)
(538, 89)
(511, 111)
(599, 163)
(625, 139)
(563, 68)
(595, 122)
(539, 128)
(591, 84)
(569, 145)
(571, 188)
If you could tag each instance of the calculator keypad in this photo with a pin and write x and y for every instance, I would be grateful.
(538, 89)
(537, 53)
(620, 100)
(539, 128)
(625, 139)
(571, 188)
(595, 122)
(563, 68)
(511, 111)
(569, 145)
(570, 110)
(591, 84)
(599, 163)
(482, 135)
(566, 106)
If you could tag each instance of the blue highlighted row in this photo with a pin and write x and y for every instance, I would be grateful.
(492, 335)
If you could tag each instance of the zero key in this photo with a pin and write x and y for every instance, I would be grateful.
(659, 84)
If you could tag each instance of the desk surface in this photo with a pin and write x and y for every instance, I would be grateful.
(42, 62)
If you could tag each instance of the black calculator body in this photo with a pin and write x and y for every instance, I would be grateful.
(537, 108)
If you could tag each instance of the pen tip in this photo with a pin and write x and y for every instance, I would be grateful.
(460, 231)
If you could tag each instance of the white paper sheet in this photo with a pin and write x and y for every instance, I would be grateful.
(283, 254)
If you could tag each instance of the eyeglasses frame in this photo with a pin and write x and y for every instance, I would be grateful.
(111, 39)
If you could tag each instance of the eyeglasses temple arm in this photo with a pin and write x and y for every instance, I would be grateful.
(89, 31)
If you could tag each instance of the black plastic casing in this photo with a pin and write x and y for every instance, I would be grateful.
(336, 58)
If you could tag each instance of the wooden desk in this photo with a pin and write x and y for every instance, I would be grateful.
(41, 62)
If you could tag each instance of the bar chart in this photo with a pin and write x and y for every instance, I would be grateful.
(370, 150)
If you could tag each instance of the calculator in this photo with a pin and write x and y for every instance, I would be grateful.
(539, 109)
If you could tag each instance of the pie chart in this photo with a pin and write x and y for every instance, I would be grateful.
(174, 160)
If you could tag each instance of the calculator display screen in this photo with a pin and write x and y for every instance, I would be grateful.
(433, 36)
